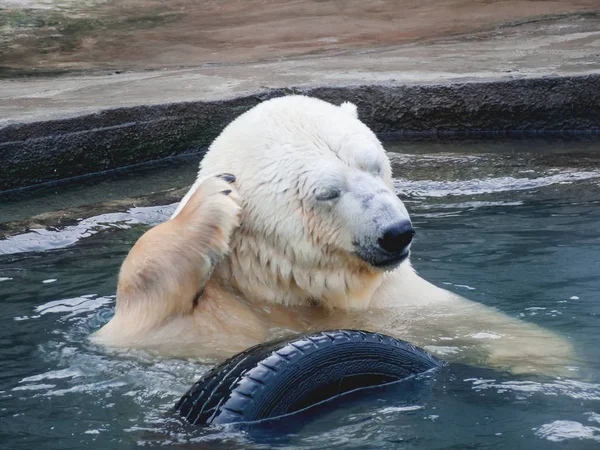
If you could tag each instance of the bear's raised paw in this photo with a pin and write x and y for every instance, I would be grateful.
(212, 214)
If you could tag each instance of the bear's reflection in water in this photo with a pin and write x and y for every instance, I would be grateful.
(293, 225)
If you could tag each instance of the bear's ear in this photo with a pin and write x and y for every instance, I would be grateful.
(350, 109)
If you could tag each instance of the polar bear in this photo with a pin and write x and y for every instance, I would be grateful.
(293, 225)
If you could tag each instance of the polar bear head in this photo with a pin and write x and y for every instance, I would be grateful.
(320, 220)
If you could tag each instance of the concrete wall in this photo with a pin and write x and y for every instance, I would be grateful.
(42, 151)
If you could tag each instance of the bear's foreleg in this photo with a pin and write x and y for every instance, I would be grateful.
(164, 274)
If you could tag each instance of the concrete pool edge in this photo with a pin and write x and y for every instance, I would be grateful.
(46, 150)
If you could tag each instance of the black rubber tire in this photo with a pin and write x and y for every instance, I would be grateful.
(288, 375)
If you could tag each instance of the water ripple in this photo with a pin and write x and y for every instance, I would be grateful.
(42, 240)
(561, 430)
(571, 388)
(436, 189)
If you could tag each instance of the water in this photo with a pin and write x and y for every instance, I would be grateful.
(510, 224)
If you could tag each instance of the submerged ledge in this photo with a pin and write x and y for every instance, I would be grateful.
(39, 151)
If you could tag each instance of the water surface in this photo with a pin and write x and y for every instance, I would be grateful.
(511, 224)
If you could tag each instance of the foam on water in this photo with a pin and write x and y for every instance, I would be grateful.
(570, 388)
(430, 188)
(42, 239)
(73, 306)
(562, 430)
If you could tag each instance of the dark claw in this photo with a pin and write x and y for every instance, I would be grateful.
(226, 192)
(230, 178)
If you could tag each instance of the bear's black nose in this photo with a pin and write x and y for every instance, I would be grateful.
(397, 237)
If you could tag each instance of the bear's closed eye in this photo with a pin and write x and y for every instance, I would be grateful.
(329, 194)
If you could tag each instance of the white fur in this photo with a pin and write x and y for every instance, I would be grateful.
(295, 250)
(350, 108)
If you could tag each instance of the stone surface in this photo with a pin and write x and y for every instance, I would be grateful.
(562, 47)
(37, 152)
(538, 75)
(65, 35)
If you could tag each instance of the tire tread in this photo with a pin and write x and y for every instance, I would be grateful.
(224, 395)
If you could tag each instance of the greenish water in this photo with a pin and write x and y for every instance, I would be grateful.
(512, 224)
